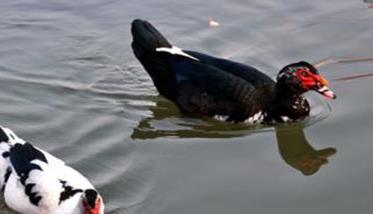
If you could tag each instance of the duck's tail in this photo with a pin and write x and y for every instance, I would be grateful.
(146, 39)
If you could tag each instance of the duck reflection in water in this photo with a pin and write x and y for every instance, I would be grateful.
(294, 148)
(297, 152)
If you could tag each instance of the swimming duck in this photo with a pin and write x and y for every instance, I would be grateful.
(224, 89)
(36, 182)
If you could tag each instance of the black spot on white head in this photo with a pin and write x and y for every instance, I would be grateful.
(91, 196)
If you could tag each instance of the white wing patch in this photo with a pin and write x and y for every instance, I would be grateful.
(221, 117)
(285, 119)
(256, 118)
(175, 51)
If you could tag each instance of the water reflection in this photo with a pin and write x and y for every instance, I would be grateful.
(168, 121)
(294, 148)
(298, 152)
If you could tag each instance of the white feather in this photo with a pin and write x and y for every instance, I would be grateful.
(221, 117)
(175, 51)
(255, 118)
(285, 119)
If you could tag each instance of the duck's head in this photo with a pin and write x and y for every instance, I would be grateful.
(301, 77)
(92, 202)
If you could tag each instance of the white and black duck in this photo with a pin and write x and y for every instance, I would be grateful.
(35, 182)
(202, 84)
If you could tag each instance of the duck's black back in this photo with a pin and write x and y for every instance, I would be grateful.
(146, 39)
(198, 82)
(246, 72)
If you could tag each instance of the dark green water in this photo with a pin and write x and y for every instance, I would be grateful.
(70, 84)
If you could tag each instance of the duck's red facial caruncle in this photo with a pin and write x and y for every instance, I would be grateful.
(314, 81)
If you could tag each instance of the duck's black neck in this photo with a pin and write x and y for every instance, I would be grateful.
(286, 104)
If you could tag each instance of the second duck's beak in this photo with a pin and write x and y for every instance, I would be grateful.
(324, 90)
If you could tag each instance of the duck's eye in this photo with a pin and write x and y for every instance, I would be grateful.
(303, 73)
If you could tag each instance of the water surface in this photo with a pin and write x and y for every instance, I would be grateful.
(70, 84)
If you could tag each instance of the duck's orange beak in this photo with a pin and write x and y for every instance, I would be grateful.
(323, 88)
(326, 92)
(323, 81)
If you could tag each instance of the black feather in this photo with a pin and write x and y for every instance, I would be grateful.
(68, 191)
(91, 196)
(246, 72)
(5, 154)
(146, 37)
(33, 196)
(3, 136)
(21, 156)
(35, 199)
(145, 41)
(6, 177)
(28, 189)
